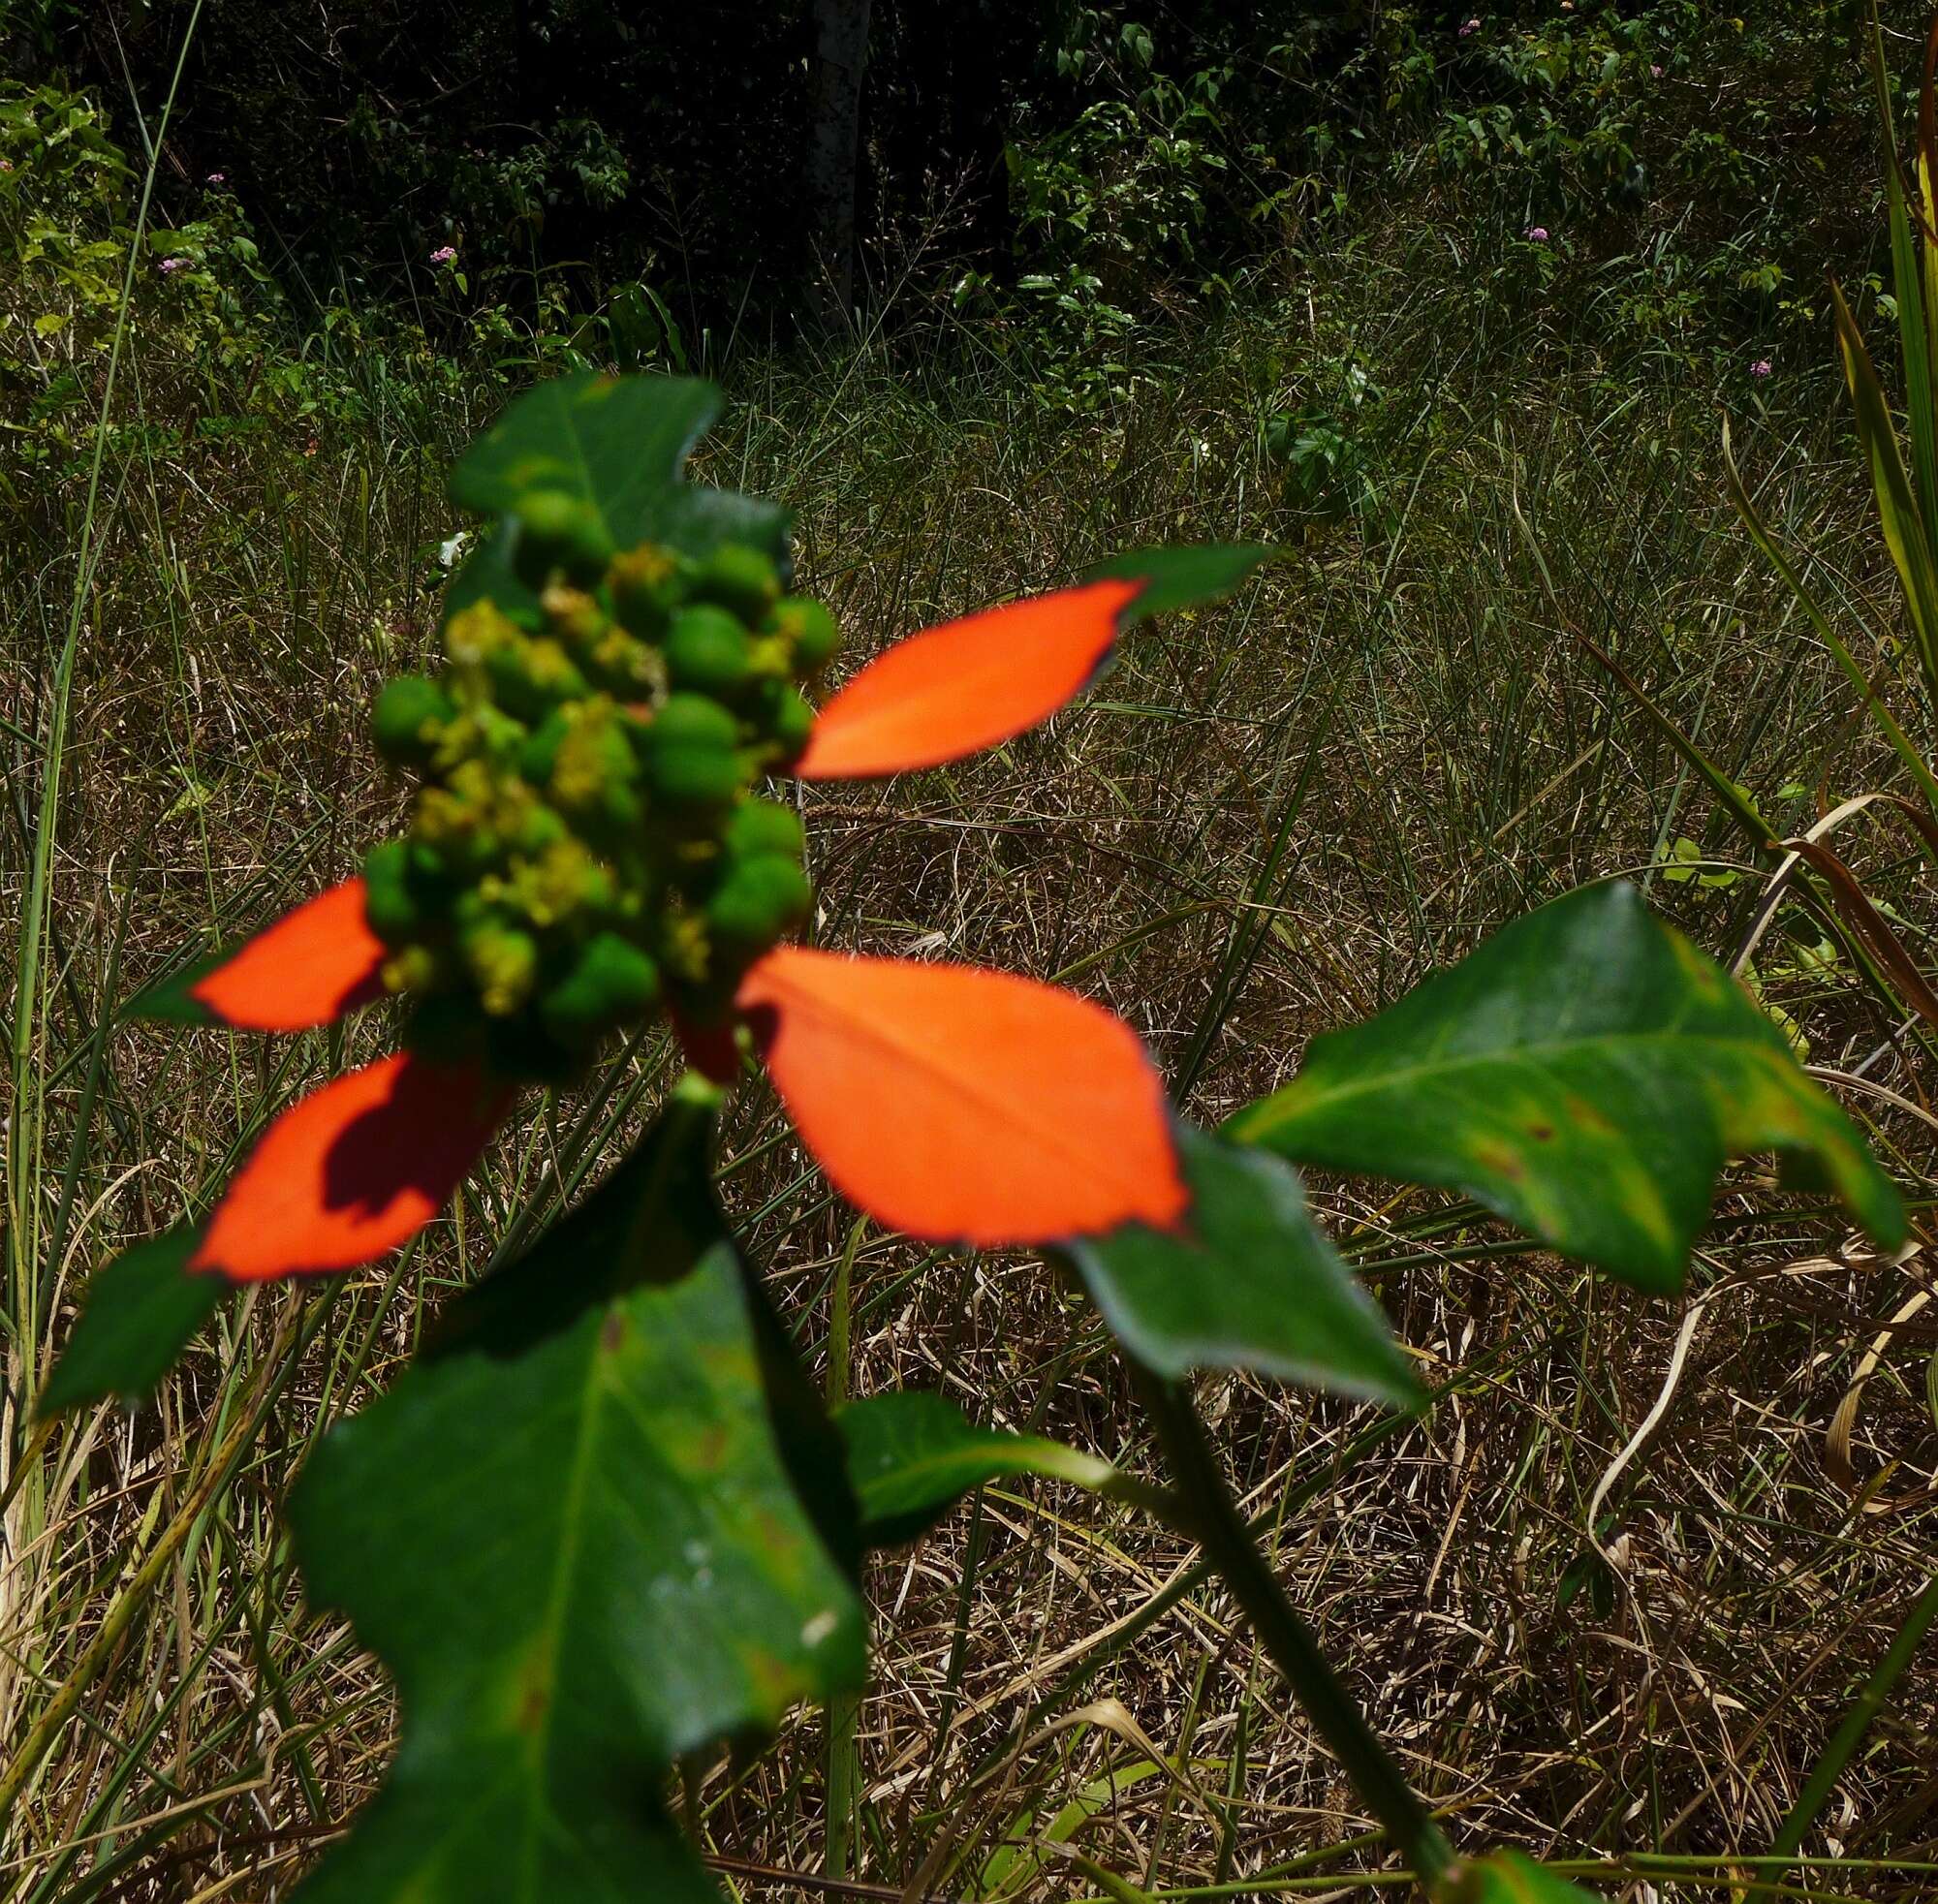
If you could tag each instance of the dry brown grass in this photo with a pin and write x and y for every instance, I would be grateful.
(1041, 1650)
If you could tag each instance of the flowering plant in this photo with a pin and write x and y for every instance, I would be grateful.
(605, 1523)
(586, 849)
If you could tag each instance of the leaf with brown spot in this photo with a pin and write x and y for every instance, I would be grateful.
(571, 1535)
(1586, 1073)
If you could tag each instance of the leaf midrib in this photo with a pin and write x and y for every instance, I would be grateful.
(552, 1626)
(1328, 1095)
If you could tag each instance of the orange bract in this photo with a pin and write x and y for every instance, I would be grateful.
(966, 685)
(309, 969)
(959, 1105)
(352, 1170)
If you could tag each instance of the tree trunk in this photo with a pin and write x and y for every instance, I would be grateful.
(841, 52)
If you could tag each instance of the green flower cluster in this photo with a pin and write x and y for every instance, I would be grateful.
(585, 845)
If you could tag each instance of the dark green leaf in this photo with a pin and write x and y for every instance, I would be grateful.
(651, 1220)
(142, 1311)
(1897, 508)
(1184, 574)
(812, 1451)
(1510, 1877)
(580, 1562)
(619, 442)
(169, 1000)
(1253, 1283)
(1586, 1074)
(912, 1455)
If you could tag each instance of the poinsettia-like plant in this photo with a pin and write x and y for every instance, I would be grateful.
(604, 1521)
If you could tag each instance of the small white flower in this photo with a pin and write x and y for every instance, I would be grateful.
(447, 552)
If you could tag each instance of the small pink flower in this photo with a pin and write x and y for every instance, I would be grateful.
(1655, 72)
(1760, 367)
(169, 266)
(445, 254)
(1468, 26)
(1535, 235)
(218, 178)
(6, 164)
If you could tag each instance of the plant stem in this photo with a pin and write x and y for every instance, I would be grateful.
(1227, 1543)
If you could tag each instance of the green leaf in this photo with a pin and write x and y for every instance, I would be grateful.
(616, 441)
(581, 1558)
(650, 1220)
(1122, 1889)
(619, 442)
(1510, 1877)
(143, 1310)
(1899, 513)
(1855, 672)
(1685, 857)
(1251, 1284)
(1183, 575)
(1915, 337)
(171, 1000)
(1586, 1074)
(912, 1455)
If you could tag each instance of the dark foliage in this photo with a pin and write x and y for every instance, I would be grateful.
(1119, 152)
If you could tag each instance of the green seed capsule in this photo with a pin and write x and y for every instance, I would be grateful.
(574, 617)
(392, 912)
(647, 585)
(813, 639)
(760, 900)
(738, 578)
(759, 825)
(786, 718)
(540, 751)
(532, 677)
(690, 778)
(450, 826)
(408, 719)
(583, 841)
(707, 651)
(690, 754)
(558, 532)
(692, 720)
(540, 829)
(610, 981)
(428, 873)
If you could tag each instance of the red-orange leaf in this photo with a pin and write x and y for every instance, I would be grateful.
(961, 1105)
(965, 685)
(309, 969)
(351, 1172)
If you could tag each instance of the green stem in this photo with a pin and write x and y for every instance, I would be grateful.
(1845, 1740)
(1227, 1543)
(844, 1709)
(19, 1770)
